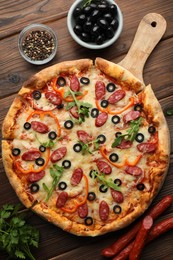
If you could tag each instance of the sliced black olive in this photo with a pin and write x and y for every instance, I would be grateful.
(40, 161)
(111, 87)
(94, 112)
(34, 187)
(115, 119)
(78, 29)
(68, 124)
(113, 157)
(140, 186)
(103, 188)
(60, 106)
(52, 135)
(77, 148)
(16, 151)
(91, 196)
(139, 138)
(62, 185)
(92, 175)
(61, 81)
(118, 182)
(151, 129)
(117, 134)
(101, 139)
(27, 125)
(104, 103)
(85, 80)
(117, 209)
(88, 221)
(36, 94)
(42, 148)
(138, 107)
(66, 164)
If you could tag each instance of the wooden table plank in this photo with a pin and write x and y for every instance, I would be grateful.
(14, 15)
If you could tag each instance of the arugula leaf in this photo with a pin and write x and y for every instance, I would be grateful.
(83, 107)
(86, 146)
(87, 3)
(16, 236)
(56, 173)
(107, 182)
(49, 144)
(131, 132)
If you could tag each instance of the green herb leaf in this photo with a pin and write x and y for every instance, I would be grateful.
(49, 144)
(107, 182)
(131, 132)
(86, 146)
(16, 236)
(56, 173)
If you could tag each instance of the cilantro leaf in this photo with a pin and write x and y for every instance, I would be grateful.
(16, 236)
(56, 173)
(131, 132)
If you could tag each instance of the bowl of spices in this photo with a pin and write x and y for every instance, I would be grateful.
(37, 44)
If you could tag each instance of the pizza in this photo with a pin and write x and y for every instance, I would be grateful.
(86, 146)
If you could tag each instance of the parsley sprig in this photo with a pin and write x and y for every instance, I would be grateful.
(82, 107)
(56, 173)
(16, 236)
(131, 132)
(86, 147)
(107, 182)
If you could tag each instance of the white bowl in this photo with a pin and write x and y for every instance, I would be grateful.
(91, 45)
(26, 32)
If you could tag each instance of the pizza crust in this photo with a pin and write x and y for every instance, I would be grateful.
(123, 76)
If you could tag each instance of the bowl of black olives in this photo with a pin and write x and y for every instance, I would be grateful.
(95, 24)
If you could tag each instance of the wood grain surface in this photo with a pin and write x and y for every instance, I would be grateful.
(158, 70)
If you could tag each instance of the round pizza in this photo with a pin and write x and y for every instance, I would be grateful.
(86, 146)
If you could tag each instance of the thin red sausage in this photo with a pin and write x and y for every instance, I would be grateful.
(104, 167)
(131, 115)
(74, 112)
(74, 83)
(156, 231)
(147, 147)
(76, 176)
(141, 238)
(39, 127)
(58, 154)
(33, 177)
(53, 98)
(31, 155)
(100, 90)
(101, 119)
(117, 196)
(83, 136)
(133, 170)
(61, 200)
(83, 210)
(124, 144)
(103, 210)
(116, 96)
(125, 239)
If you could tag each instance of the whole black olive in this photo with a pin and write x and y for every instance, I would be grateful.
(87, 26)
(100, 39)
(102, 23)
(78, 29)
(95, 30)
(81, 19)
(109, 32)
(114, 24)
(95, 15)
(85, 37)
(77, 11)
(108, 17)
(113, 9)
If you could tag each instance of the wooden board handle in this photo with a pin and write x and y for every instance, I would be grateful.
(149, 32)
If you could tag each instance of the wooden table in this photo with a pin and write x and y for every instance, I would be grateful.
(14, 15)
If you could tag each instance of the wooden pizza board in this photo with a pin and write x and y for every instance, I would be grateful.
(150, 31)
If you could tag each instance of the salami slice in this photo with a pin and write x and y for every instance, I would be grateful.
(124, 144)
(116, 96)
(104, 167)
(53, 98)
(61, 200)
(117, 196)
(83, 136)
(131, 115)
(74, 112)
(31, 155)
(58, 154)
(101, 119)
(39, 127)
(133, 170)
(147, 147)
(34, 177)
(103, 210)
(83, 210)
(100, 90)
(76, 176)
(74, 83)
